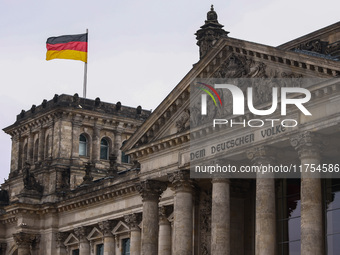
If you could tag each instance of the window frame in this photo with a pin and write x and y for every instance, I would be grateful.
(83, 143)
(107, 147)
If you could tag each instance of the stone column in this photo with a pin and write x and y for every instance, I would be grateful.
(41, 144)
(108, 239)
(76, 124)
(150, 191)
(25, 242)
(164, 244)
(133, 221)
(96, 143)
(49, 152)
(84, 245)
(30, 145)
(20, 153)
(308, 146)
(220, 217)
(15, 153)
(265, 217)
(183, 212)
(117, 145)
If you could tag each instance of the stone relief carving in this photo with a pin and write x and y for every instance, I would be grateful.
(183, 122)
(241, 67)
(322, 47)
(314, 45)
(30, 183)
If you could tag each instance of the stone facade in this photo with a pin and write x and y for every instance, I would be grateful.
(75, 185)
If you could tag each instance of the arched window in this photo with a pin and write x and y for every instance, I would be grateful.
(82, 145)
(104, 149)
(125, 158)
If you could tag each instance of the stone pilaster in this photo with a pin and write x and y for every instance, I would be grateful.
(133, 221)
(265, 217)
(96, 143)
(76, 124)
(220, 217)
(150, 191)
(308, 146)
(41, 144)
(30, 148)
(183, 211)
(60, 238)
(25, 242)
(108, 239)
(15, 153)
(84, 245)
(50, 142)
(20, 153)
(164, 244)
(117, 145)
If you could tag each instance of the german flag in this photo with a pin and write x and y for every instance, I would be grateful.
(67, 47)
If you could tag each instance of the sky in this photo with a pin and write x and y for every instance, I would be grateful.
(138, 51)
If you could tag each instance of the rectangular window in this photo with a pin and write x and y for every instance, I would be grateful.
(332, 206)
(126, 246)
(289, 217)
(100, 249)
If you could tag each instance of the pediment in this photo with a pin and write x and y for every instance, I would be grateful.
(94, 234)
(230, 58)
(121, 227)
(71, 240)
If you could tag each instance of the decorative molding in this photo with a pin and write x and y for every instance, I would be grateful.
(23, 239)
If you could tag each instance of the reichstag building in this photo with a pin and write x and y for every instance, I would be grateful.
(95, 178)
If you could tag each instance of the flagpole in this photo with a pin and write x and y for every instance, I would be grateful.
(85, 73)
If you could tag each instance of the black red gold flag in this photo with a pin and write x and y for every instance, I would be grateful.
(67, 47)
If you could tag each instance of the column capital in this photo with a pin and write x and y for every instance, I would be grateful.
(77, 121)
(118, 131)
(308, 144)
(163, 215)
(23, 239)
(81, 233)
(106, 227)
(60, 238)
(261, 154)
(133, 221)
(151, 189)
(181, 181)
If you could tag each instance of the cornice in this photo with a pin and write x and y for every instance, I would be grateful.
(84, 116)
(311, 36)
(69, 204)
